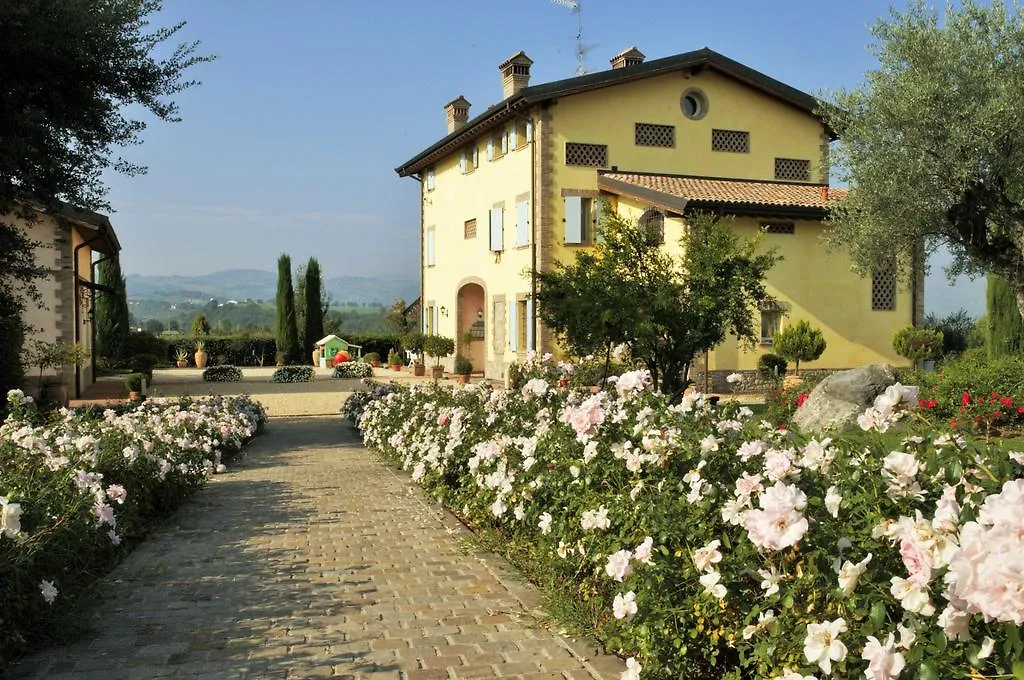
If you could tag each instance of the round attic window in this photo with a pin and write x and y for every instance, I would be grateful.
(694, 104)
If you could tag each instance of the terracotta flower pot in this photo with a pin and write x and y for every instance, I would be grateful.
(201, 359)
(436, 372)
(419, 369)
(463, 378)
(395, 367)
(182, 363)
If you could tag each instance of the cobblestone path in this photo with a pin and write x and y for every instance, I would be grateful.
(312, 559)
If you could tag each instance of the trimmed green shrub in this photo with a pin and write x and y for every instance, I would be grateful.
(133, 382)
(394, 358)
(415, 342)
(293, 374)
(799, 342)
(771, 367)
(438, 347)
(918, 343)
(353, 369)
(222, 374)
(142, 342)
(370, 357)
(463, 366)
(144, 363)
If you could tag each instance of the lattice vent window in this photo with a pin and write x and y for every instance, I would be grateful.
(793, 169)
(778, 227)
(593, 155)
(469, 229)
(650, 134)
(883, 288)
(736, 141)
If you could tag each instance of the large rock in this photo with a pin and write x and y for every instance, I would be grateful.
(838, 399)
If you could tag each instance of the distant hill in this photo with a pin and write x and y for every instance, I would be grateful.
(256, 284)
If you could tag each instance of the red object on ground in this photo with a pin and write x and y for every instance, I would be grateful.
(339, 358)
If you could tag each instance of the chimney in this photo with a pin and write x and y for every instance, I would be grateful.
(515, 73)
(628, 57)
(458, 113)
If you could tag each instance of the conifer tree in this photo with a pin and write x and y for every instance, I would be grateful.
(313, 328)
(1005, 328)
(112, 324)
(286, 331)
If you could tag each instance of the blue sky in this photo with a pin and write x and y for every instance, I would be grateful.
(290, 143)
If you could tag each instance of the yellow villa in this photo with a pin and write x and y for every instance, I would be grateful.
(515, 189)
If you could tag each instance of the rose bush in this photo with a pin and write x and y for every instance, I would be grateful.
(78, 488)
(716, 545)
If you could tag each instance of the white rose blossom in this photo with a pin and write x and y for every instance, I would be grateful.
(822, 645)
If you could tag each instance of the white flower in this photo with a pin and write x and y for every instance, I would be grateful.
(850, 573)
(10, 518)
(642, 553)
(618, 566)
(632, 671)
(48, 590)
(778, 523)
(907, 636)
(624, 606)
(763, 619)
(734, 378)
(770, 581)
(709, 444)
(987, 645)
(545, 523)
(832, 501)
(712, 585)
(955, 624)
(498, 508)
(913, 596)
(704, 557)
(884, 662)
(822, 645)
(790, 674)
(595, 519)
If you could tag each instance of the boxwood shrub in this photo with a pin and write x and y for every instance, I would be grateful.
(222, 374)
(353, 369)
(293, 374)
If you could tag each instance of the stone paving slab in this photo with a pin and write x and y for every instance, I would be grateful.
(312, 559)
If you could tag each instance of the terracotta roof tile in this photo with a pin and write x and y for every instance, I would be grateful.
(710, 190)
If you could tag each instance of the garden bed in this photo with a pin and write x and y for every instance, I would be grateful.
(712, 544)
(79, 488)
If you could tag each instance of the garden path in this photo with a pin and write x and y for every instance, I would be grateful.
(312, 559)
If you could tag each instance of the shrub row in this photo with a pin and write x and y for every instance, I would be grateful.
(353, 369)
(79, 488)
(293, 374)
(715, 545)
(222, 374)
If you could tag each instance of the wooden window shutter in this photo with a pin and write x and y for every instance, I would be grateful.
(437, 318)
(529, 324)
(573, 219)
(496, 229)
(522, 223)
(513, 334)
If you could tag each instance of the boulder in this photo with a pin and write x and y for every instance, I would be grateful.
(838, 399)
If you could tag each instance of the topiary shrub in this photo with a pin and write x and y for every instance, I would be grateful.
(353, 369)
(438, 347)
(144, 363)
(133, 382)
(918, 343)
(222, 374)
(771, 367)
(293, 374)
(799, 342)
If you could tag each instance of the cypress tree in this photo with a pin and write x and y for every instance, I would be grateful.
(314, 314)
(1005, 327)
(112, 324)
(286, 331)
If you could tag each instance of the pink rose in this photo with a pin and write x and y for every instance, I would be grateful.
(917, 562)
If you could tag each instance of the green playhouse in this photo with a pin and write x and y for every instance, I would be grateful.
(332, 345)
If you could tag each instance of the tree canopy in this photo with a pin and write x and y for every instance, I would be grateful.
(665, 308)
(286, 331)
(932, 143)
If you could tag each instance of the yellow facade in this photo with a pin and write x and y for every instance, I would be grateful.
(467, 279)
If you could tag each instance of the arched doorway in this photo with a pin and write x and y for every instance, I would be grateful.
(471, 325)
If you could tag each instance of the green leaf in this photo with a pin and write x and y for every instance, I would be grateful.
(928, 671)
(1018, 669)
(878, 613)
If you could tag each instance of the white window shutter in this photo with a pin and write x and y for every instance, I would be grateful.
(430, 249)
(573, 219)
(462, 163)
(513, 137)
(426, 311)
(529, 132)
(476, 157)
(490, 149)
(522, 223)
(437, 318)
(513, 333)
(529, 325)
(504, 142)
(497, 229)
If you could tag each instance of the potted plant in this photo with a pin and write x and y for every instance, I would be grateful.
(394, 361)
(463, 367)
(414, 343)
(438, 346)
(181, 355)
(133, 383)
(372, 358)
(201, 356)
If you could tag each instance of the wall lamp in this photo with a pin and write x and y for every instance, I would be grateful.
(444, 311)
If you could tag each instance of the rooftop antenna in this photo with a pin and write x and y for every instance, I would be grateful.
(581, 50)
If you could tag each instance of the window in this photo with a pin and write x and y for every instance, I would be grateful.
(429, 316)
(793, 169)
(694, 104)
(522, 324)
(736, 141)
(430, 247)
(429, 179)
(520, 134)
(653, 222)
(497, 145)
(778, 227)
(470, 160)
(592, 155)
(771, 322)
(649, 134)
(497, 228)
(469, 229)
(522, 222)
(883, 288)
(580, 220)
